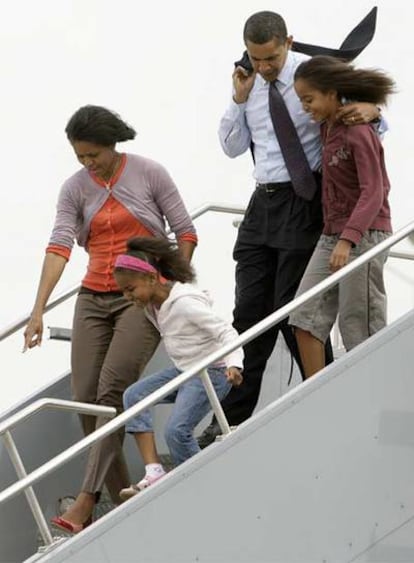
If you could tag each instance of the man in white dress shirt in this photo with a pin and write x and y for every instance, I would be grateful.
(280, 229)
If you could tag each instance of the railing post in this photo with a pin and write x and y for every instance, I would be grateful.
(215, 403)
(29, 492)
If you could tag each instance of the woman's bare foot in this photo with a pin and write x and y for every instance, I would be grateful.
(81, 510)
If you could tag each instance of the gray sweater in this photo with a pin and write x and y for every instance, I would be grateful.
(144, 187)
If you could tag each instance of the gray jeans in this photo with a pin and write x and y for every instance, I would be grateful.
(112, 341)
(360, 300)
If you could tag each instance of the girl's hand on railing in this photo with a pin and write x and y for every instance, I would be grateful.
(33, 333)
(234, 376)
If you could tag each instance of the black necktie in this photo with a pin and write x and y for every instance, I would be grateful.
(353, 44)
(297, 164)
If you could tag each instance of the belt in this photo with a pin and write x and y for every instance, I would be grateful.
(113, 293)
(272, 187)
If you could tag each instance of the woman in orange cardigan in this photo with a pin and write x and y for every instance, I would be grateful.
(113, 197)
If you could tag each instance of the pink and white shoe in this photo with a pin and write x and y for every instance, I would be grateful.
(145, 482)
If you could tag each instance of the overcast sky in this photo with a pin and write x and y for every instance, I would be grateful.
(166, 68)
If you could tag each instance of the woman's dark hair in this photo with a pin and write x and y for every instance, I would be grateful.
(98, 125)
(326, 73)
(263, 27)
(163, 255)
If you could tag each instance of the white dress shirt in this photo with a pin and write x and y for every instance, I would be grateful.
(251, 121)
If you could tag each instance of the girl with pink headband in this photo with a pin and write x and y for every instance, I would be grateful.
(154, 275)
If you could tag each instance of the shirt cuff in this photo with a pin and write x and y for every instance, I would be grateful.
(189, 237)
(60, 250)
(351, 235)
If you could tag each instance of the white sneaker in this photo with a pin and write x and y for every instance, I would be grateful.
(145, 482)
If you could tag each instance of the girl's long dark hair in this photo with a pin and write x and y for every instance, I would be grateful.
(326, 73)
(164, 255)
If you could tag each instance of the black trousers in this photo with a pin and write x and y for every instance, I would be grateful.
(275, 242)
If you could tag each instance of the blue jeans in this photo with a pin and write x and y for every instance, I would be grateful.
(191, 404)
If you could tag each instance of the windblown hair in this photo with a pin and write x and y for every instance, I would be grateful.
(98, 125)
(263, 27)
(326, 73)
(163, 255)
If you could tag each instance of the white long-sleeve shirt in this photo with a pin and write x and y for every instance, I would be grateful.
(191, 330)
(251, 121)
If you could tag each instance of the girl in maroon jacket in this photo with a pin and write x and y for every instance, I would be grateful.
(355, 189)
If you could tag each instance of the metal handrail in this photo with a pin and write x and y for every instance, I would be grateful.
(402, 255)
(17, 325)
(168, 388)
(59, 404)
(20, 323)
(7, 425)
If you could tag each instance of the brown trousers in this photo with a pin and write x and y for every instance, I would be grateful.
(112, 341)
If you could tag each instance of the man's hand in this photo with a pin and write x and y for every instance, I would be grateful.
(234, 376)
(340, 255)
(357, 113)
(243, 83)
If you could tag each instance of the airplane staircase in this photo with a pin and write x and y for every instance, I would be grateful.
(321, 474)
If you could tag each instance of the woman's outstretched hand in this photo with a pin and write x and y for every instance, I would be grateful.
(33, 333)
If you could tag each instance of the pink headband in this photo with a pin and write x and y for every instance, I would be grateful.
(133, 263)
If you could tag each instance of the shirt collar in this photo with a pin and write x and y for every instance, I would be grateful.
(287, 72)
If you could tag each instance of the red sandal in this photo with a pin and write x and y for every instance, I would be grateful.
(62, 524)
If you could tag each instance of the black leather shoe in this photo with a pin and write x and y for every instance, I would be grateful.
(209, 435)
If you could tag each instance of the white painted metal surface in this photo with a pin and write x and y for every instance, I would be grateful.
(331, 281)
(21, 416)
(324, 475)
